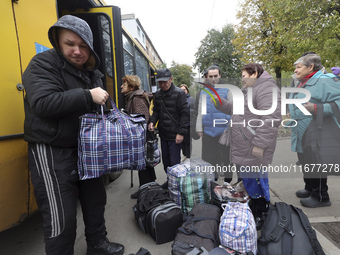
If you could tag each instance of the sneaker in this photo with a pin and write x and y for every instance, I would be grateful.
(313, 203)
(105, 247)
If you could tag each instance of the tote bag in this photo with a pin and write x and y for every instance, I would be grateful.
(321, 144)
(110, 142)
(153, 153)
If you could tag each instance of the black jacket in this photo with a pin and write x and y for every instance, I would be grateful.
(171, 110)
(57, 93)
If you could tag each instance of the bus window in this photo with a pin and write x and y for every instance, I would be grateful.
(128, 56)
(105, 24)
(142, 70)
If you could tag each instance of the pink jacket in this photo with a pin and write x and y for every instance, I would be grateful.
(249, 130)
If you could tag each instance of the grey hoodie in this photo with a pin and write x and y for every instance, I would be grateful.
(81, 28)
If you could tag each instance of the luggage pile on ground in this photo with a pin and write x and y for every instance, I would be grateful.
(204, 218)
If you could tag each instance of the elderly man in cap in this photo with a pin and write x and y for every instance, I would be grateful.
(171, 110)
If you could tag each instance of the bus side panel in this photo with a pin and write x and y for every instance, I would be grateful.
(13, 163)
(29, 21)
(33, 18)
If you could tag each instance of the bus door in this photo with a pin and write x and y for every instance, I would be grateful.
(105, 23)
(24, 28)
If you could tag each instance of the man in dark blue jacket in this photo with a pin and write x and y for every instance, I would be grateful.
(171, 111)
(62, 84)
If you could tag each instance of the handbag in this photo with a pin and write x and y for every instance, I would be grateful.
(110, 142)
(321, 143)
(224, 138)
(153, 153)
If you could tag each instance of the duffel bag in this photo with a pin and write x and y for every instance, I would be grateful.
(200, 229)
(163, 221)
(150, 196)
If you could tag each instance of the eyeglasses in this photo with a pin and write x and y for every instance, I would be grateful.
(213, 76)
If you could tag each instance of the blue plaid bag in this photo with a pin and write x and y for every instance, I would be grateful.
(110, 142)
(237, 228)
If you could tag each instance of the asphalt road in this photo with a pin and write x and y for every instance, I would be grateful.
(27, 239)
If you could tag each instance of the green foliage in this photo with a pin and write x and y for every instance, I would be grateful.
(216, 48)
(278, 32)
(182, 74)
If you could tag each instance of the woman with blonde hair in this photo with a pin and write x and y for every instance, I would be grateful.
(138, 101)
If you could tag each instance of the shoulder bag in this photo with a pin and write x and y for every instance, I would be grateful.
(321, 143)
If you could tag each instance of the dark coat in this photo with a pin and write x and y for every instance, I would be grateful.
(138, 101)
(171, 110)
(57, 93)
(264, 136)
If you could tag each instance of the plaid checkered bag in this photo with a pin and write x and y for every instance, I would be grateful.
(194, 190)
(110, 142)
(237, 228)
(173, 173)
(178, 171)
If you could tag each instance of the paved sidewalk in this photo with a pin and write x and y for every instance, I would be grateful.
(27, 239)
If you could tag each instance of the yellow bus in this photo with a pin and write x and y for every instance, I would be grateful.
(24, 34)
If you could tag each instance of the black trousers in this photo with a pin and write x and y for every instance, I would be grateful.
(317, 184)
(171, 153)
(57, 189)
(216, 154)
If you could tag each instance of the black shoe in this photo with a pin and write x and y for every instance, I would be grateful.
(135, 195)
(105, 247)
(313, 203)
(303, 193)
(164, 185)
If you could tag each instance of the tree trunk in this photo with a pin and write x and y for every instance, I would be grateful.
(278, 70)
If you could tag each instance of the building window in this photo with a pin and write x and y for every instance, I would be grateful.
(138, 32)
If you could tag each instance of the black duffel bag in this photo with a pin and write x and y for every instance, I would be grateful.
(321, 144)
(199, 231)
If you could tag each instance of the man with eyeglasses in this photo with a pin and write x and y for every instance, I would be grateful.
(212, 151)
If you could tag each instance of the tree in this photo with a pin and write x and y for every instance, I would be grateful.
(277, 32)
(182, 74)
(217, 48)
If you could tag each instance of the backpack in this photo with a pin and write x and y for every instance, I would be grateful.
(237, 228)
(287, 230)
(199, 232)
